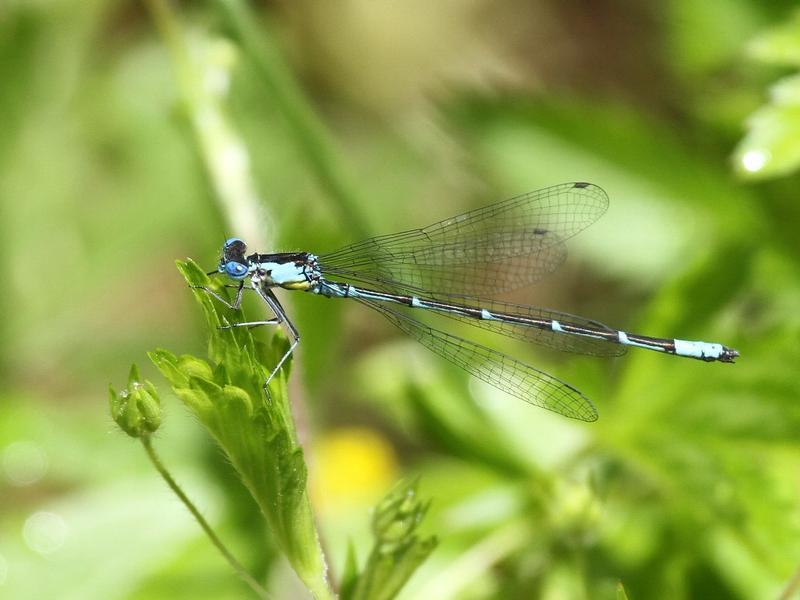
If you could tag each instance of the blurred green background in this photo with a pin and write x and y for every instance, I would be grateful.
(130, 138)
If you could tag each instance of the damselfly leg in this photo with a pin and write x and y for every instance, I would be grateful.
(281, 318)
(251, 324)
(237, 301)
(235, 305)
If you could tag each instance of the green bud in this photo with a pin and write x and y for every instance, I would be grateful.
(136, 409)
(398, 550)
(398, 514)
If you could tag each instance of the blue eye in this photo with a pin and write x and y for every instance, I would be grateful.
(231, 241)
(236, 270)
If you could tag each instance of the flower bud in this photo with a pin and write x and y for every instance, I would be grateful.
(136, 409)
(398, 514)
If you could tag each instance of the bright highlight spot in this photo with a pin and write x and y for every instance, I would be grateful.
(24, 463)
(44, 532)
(754, 160)
(220, 57)
(234, 158)
(216, 81)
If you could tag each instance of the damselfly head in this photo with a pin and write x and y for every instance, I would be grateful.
(233, 262)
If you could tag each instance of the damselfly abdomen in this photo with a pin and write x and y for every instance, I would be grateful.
(449, 268)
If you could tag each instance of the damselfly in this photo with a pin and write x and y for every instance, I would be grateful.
(450, 268)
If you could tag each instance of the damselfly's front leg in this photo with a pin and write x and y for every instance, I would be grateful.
(280, 319)
(235, 305)
(237, 302)
(251, 324)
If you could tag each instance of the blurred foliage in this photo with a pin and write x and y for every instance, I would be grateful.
(687, 485)
(771, 145)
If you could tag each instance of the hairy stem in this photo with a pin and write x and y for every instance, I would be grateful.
(237, 566)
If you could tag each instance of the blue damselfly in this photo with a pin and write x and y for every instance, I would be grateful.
(450, 268)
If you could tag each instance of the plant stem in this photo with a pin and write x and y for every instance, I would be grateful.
(221, 148)
(237, 566)
(312, 136)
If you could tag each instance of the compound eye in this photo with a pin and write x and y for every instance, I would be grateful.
(236, 270)
(233, 249)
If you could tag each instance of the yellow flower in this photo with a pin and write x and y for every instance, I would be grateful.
(351, 466)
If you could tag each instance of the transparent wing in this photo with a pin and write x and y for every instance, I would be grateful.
(505, 373)
(496, 248)
(547, 338)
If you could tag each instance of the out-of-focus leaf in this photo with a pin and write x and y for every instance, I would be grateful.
(780, 45)
(691, 431)
(467, 432)
(706, 35)
(771, 148)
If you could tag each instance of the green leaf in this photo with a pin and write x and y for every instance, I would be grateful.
(621, 594)
(255, 432)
